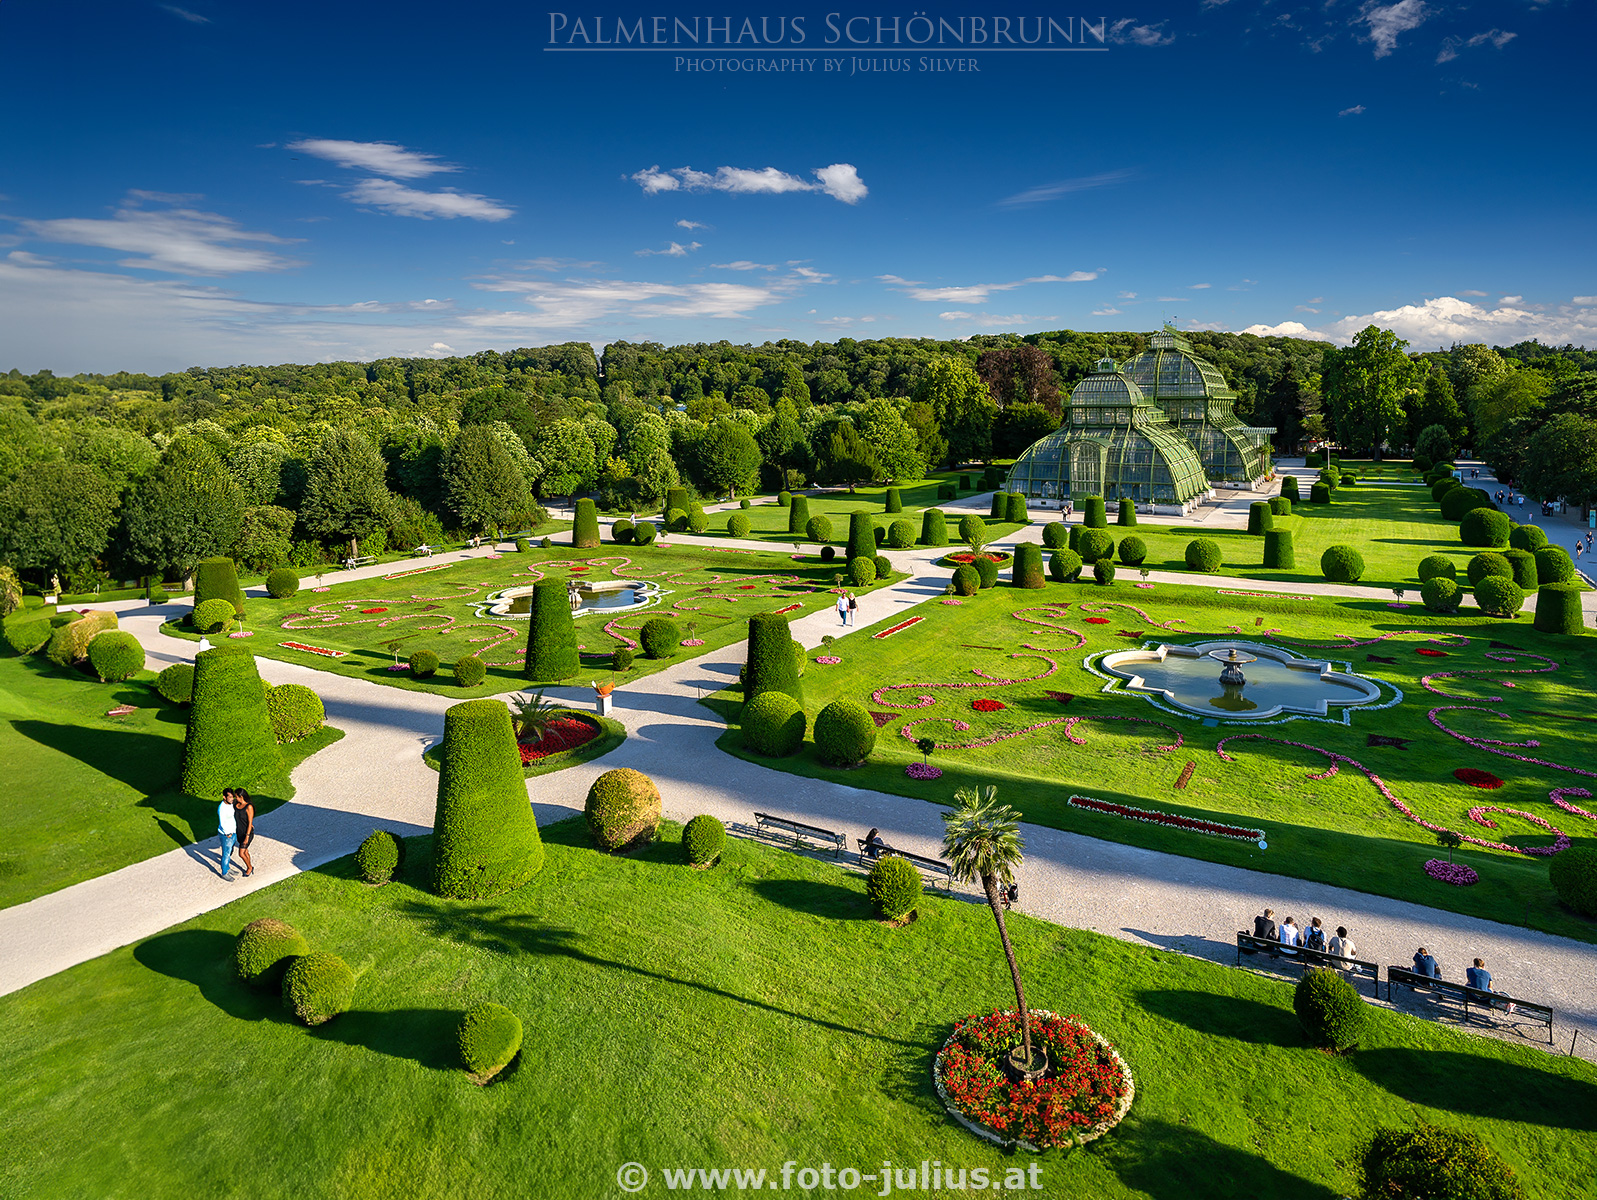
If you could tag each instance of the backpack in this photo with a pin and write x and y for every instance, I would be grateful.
(1314, 938)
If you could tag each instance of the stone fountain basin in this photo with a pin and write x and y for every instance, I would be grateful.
(1280, 682)
(609, 596)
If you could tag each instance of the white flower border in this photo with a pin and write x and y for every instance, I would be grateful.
(1081, 1139)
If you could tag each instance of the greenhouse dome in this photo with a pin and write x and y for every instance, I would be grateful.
(1113, 444)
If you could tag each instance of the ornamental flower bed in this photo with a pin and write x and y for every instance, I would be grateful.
(1560, 839)
(1449, 872)
(923, 771)
(563, 733)
(1097, 620)
(1087, 1091)
(900, 627)
(322, 650)
(379, 609)
(1484, 780)
(828, 660)
(1557, 797)
(417, 571)
(1429, 653)
(987, 704)
(965, 556)
(1174, 820)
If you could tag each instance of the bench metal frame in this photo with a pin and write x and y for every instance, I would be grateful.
(1462, 992)
(934, 869)
(831, 839)
(1304, 957)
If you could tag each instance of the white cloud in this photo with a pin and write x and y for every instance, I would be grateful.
(1307, 309)
(25, 259)
(690, 226)
(1063, 187)
(1126, 31)
(379, 158)
(1109, 312)
(744, 264)
(1387, 22)
(987, 319)
(442, 347)
(1351, 112)
(1472, 292)
(576, 302)
(674, 250)
(1292, 329)
(179, 241)
(1512, 300)
(900, 280)
(1577, 299)
(1127, 296)
(193, 18)
(839, 180)
(1446, 319)
(404, 201)
(1197, 287)
(977, 293)
(1497, 38)
(1316, 300)
(1173, 299)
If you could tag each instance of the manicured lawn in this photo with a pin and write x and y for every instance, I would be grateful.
(88, 793)
(446, 609)
(745, 1016)
(1338, 830)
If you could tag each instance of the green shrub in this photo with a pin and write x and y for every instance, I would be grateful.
(281, 584)
(784, 499)
(1095, 543)
(818, 529)
(1064, 566)
(697, 521)
(678, 497)
(1103, 571)
(379, 857)
(987, 569)
(547, 544)
(1314, 458)
(1553, 565)
(1440, 594)
(1523, 564)
(1260, 519)
(1421, 464)
(551, 634)
(676, 520)
(661, 637)
(1128, 513)
(489, 1039)
(176, 683)
(621, 658)
(894, 502)
(295, 710)
(893, 887)
(1342, 564)
(1486, 564)
(1015, 509)
(798, 517)
(1203, 554)
(1573, 875)
(1527, 537)
(1055, 535)
(115, 656)
(861, 536)
(884, 566)
(1278, 552)
(585, 525)
(972, 529)
(644, 533)
(901, 535)
(1075, 537)
(1289, 488)
(1433, 443)
(773, 724)
(1026, 569)
(28, 635)
(1442, 486)
(1280, 506)
(264, 950)
(933, 528)
(1348, 479)
(770, 666)
(1499, 597)
(737, 525)
(213, 616)
(703, 840)
(1330, 1009)
(1093, 513)
(229, 741)
(1319, 494)
(317, 987)
(745, 503)
(217, 579)
(1462, 500)
(623, 809)
(1133, 551)
(423, 664)
(999, 506)
(469, 671)
(1484, 527)
(621, 531)
(523, 546)
(1558, 608)
(845, 734)
(862, 571)
(967, 580)
(1437, 566)
(964, 483)
(485, 839)
(1431, 1163)
(156, 594)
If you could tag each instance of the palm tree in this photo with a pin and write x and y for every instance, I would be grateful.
(981, 840)
(531, 716)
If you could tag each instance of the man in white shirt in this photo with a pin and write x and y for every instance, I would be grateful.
(1289, 936)
(842, 607)
(227, 827)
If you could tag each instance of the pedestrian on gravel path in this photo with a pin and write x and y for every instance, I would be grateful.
(853, 608)
(842, 607)
(227, 830)
(245, 817)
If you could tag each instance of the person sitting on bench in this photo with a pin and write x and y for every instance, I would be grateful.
(1289, 936)
(1480, 978)
(874, 844)
(1424, 964)
(1341, 945)
(1314, 936)
(1264, 927)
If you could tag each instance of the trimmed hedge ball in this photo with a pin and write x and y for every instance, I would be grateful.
(213, 616)
(893, 887)
(1553, 565)
(1487, 564)
(470, 670)
(1462, 500)
(862, 571)
(1573, 875)
(698, 522)
(1094, 544)
(828, 553)
(845, 733)
(489, 1039)
(621, 531)
(1064, 566)
(1527, 537)
(738, 526)
(623, 809)
(1104, 572)
(703, 839)
(1278, 552)
(621, 658)
(1342, 564)
(379, 857)
(1484, 527)
(1319, 494)
(988, 570)
(644, 533)
(1133, 550)
(264, 950)
(1203, 554)
(901, 535)
(1499, 597)
(1523, 563)
(295, 710)
(818, 528)
(784, 499)
(1437, 566)
(1348, 479)
(884, 566)
(1558, 609)
(773, 724)
(282, 584)
(972, 529)
(317, 987)
(423, 664)
(1428, 1161)
(1442, 486)
(661, 637)
(1260, 519)
(1056, 535)
(1440, 594)
(967, 580)
(116, 655)
(176, 683)
(1330, 1009)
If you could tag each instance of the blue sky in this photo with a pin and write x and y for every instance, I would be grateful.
(217, 182)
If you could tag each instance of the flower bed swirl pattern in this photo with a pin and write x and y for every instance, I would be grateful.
(1174, 820)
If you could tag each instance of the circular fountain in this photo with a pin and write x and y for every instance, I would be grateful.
(1278, 682)
(608, 596)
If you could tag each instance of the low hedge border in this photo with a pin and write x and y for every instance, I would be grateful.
(614, 733)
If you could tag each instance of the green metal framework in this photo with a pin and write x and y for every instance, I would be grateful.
(1197, 400)
(1113, 444)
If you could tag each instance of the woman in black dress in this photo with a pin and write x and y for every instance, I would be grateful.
(246, 827)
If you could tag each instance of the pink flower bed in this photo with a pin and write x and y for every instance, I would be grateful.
(828, 660)
(1455, 873)
(1557, 797)
(1560, 839)
(415, 571)
(924, 701)
(242, 633)
(1174, 820)
(923, 771)
(1107, 605)
(685, 642)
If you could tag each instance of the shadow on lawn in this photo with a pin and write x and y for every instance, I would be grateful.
(1476, 1086)
(145, 762)
(204, 957)
(814, 897)
(1219, 1015)
(1171, 1162)
(424, 1036)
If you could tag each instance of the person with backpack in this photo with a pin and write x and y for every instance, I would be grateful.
(1314, 936)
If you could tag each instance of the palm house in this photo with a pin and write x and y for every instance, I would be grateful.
(1196, 400)
(1113, 444)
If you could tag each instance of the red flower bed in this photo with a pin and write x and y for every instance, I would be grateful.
(1097, 620)
(1484, 780)
(373, 610)
(986, 705)
(965, 556)
(1429, 653)
(564, 733)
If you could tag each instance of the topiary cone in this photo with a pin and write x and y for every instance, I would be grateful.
(217, 579)
(1093, 514)
(1558, 608)
(551, 634)
(1278, 549)
(1015, 509)
(999, 506)
(485, 839)
(1260, 519)
(1128, 513)
(771, 666)
(861, 536)
(1026, 571)
(933, 528)
(895, 502)
(798, 515)
(229, 741)
(585, 527)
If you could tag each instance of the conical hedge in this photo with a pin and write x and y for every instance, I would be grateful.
(1026, 571)
(772, 666)
(933, 528)
(861, 536)
(1260, 519)
(217, 579)
(485, 839)
(798, 515)
(1093, 514)
(1015, 509)
(229, 742)
(1128, 513)
(551, 634)
(1278, 552)
(677, 497)
(895, 502)
(585, 527)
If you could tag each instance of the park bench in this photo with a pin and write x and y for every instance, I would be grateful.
(422, 551)
(1304, 957)
(1466, 995)
(802, 835)
(935, 869)
(365, 560)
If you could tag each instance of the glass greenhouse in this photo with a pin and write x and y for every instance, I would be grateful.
(1114, 444)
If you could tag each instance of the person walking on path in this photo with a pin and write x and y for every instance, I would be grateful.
(853, 609)
(842, 607)
(244, 816)
(227, 830)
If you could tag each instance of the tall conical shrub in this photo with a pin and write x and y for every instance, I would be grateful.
(551, 634)
(798, 515)
(1278, 553)
(677, 497)
(229, 741)
(1289, 488)
(895, 502)
(772, 666)
(1015, 509)
(1026, 571)
(933, 528)
(1093, 514)
(999, 506)
(1260, 519)
(585, 528)
(217, 579)
(861, 536)
(1128, 512)
(485, 839)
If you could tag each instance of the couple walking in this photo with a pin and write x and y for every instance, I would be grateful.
(235, 821)
(847, 607)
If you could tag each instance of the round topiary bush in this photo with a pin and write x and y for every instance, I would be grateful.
(623, 809)
(1280, 506)
(621, 658)
(264, 950)
(1342, 564)
(784, 499)
(1484, 527)
(884, 566)
(1442, 486)
(1553, 565)
(770, 666)
(1133, 551)
(621, 531)
(1094, 544)
(1523, 564)
(901, 535)
(470, 670)
(661, 637)
(828, 554)
(1527, 537)
(676, 520)
(1064, 566)
(1330, 1009)
(1462, 500)
(423, 664)
(893, 887)
(845, 733)
(1094, 514)
(379, 857)
(1573, 875)
(317, 987)
(1319, 494)
(1104, 572)
(213, 616)
(1203, 554)
(1127, 515)
(1278, 552)
(1487, 564)
(967, 580)
(523, 546)
(895, 502)
(988, 570)
(773, 724)
(703, 840)
(1558, 608)
(697, 521)
(738, 526)
(176, 683)
(972, 529)
(745, 503)
(1440, 594)
(818, 529)
(1430, 1163)
(1348, 479)
(1026, 569)
(1056, 535)
(1260, 519)
(1437, 566)
(489, 1038)
(862, 571)
(879, 536)
(1499, 597)
(115, 656)
(295, 710)
(933, 528)
(281, 584)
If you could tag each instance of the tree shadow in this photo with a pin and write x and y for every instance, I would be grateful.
(424, 1036)
(1481, 1087)
(145, 762)
(813, 896)
(1171, 1162)
(1216, 1015)
(1185, 943)
(204, 957)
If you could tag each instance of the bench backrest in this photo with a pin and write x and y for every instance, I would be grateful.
(1361, 966)
(766, 818)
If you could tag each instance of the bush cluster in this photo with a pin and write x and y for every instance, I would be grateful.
(1026, 570)
(423, 664)
(773, 724)
(1330, 1009)
(622, 809)
(1573, 875)
(28, 636)
(317, 987)
(296, 712)
(155, 594)
(784, 499)
(1342, 564)
(828, 554)
(282, 584)
(972, 529)
(115, 655)
(1430, 1163)
(489, 1039)
(893, 887)
(1442, 486)
(264, 950)
(70, 639)
(1499, 597)
(703, 840)
(798, 514)
(845, 733)
(1203, 554)
(380, 857)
